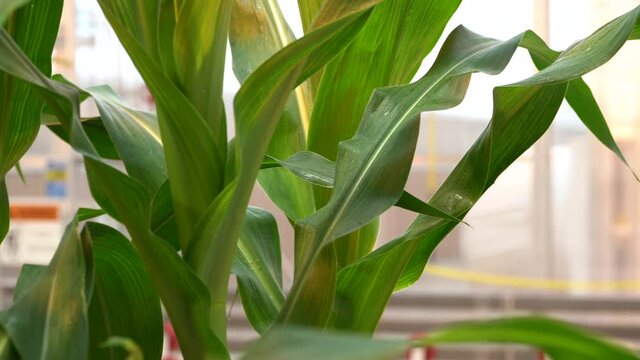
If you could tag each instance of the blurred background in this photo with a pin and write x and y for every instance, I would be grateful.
(558, 233)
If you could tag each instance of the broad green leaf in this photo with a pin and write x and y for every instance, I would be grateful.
(521, 115)
(186, 137)
(4, 210)
(258, 30)
(320, 171)
(8, 6)
(559, 340)
(95, 130)
(133, 351)
(33, 30)
(88, 214)
(49, 319)
(124, 302)
(29, 275)
(184, 296)
(373, 166)
(62, 99)
(135, 135)
(388, 51)
(258, 268)
(199, 46)
(258, 106)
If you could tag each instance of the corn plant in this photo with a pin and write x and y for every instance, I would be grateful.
(327, 124)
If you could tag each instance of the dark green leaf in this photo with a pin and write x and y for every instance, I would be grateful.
(184, 296)
(95, 130)
(124, 302)
(163, 219)
(521, 115)
(33, 30)
(372, 167)
(560, 340)
(258, 268)
(49, 318)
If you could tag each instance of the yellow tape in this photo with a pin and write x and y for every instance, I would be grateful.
(530, 283)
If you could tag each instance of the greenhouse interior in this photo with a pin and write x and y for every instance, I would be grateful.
(320, 179)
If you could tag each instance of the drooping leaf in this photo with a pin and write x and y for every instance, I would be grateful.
(49, 318)
(135, 135)
(32, 29)
(320, 171)
(373, 166)
(61, 99)
(258, 268)
(184, 296)
(258, 30)
(521, 115)
(124, 302)
(95, 130)
(559, 340)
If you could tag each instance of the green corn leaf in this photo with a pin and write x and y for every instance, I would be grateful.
(309, 9)
(88, 214)
(135, 135)
(559, 340)
(49, 319)
(29, 275)
(372, 167)
(184, 296)
(320, 171)
(372, 60)
(7, 350)
(258, 268)
(521, 115)
(95, 130)
(163, 219)
(186, 137)
(258, 106)
(124, 302)
(62, 99)
(8, 6)
(199, 46)
(258, 30)
(32, 31)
